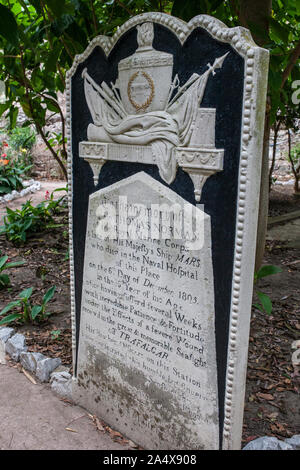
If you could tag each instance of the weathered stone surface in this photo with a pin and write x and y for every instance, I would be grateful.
(29, 360)
(15, 345)
(61, 384)
(45, 367)
(268, 443)
(151, 341)
(5, 334)
(294, 441)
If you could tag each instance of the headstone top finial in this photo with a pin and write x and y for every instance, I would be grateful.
(145, 34)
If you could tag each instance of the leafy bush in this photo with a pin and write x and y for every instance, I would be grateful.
(6, 264)
(265, 303)
(22, 138)
(10, 177)
(11, 170)
(27, 313)
(20, 223)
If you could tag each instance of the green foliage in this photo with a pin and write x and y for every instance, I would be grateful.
(22, 138)
(265, 303)
(55, 335)
(40, 39)
(5, 263)
(13, 165)
(26, 312)
(295, 154)
(20, 223)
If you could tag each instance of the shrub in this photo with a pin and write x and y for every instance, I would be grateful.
(19, 223)
(22, 138)
(6, 264)
(27, 313)
(11, 170)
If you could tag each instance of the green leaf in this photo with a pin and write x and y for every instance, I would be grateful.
(3, 260)
(265, 302)
(4, 280)
(13, 114)
(35, 311)
(49, 294)
(14, 303)
(10, 318)
(4, 107)
(267, 270)
(26, 293)
(8, 26)
(281, 32)
(15, 264)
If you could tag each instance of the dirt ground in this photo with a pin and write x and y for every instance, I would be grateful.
(272, 405)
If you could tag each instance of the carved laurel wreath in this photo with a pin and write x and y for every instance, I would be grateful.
(144, 105)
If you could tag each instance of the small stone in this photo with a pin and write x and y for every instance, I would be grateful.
(8, 197)
(15, 345)
(267, 443)
(45, 367)
(6, 333)
(61, 368)
(61, 384)
(294, 441)
(29, 360)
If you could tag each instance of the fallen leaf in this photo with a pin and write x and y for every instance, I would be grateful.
(98, 424)
(29, 377)
(265, 396)
(132, 444)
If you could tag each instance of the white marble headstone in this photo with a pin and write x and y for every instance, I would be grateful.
(161, 321)
(147, 357)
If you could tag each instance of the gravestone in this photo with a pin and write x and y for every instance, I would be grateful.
(165, 135)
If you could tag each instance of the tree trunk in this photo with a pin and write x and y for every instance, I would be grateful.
(254, 15)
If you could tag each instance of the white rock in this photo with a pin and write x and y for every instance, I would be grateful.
(45, 367)
(61, 384)
(267, 443)
(8, 197)
(5, 334)
(15, 345)
(294, 441)
(29, 360)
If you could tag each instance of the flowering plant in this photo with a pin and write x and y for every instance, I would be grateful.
(11, 170)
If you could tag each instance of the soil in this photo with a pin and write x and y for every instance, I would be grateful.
(272, 388)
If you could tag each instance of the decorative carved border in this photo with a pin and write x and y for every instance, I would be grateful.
(254, 99)
(146, 104)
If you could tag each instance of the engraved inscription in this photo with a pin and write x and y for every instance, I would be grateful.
(148, 304)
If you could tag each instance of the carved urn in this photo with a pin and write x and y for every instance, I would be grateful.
(145, 77)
